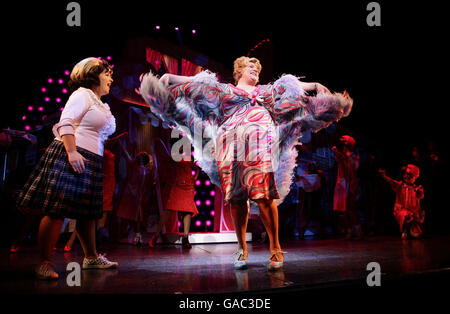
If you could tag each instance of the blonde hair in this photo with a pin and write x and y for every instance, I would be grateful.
(86, 73)
(240, 64)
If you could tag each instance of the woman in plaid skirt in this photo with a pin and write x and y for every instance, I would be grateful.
(67, 181)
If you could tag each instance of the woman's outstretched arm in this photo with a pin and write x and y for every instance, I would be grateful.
(168, 79)
(314, 86)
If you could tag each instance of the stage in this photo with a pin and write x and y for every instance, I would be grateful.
(207, 269)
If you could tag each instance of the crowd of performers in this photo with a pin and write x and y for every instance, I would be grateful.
(75, 177)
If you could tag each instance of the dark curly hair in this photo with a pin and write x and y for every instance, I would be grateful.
(86, 73)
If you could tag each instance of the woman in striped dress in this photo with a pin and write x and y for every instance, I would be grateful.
(249, 135)
(67, 181)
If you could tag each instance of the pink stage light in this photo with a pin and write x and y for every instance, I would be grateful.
(60, 81)
(47, 99)
(24, 118)
(194, 31)
(208, 223)
(212, 193)
(61, 108)
(179, 224)
(193, 172)
(198, 202)
(64, 90)
(43, 89)
(30, 108)
(212, 213)
(177, 29)
(66, 72)
(158, 27)
(58, 100)
(197, 182)
(27, 127)
(207, 183)
(50, 80)
(41, 108)
(198, 223)
(100, 58)
(207, 202)
(108, 58)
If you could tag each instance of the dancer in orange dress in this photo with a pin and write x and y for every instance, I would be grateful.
(179, 197)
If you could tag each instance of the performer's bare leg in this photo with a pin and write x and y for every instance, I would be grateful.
(186, 224)
(86, 234)
(49, 231)
(69, 243)
(162, 221)
(269, 215)
(239, 214)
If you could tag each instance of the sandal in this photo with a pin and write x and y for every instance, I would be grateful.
(45, 271)
(276, 260)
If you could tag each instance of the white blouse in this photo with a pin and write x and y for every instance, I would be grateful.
(88, 119)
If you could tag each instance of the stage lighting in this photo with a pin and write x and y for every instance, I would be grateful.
(208, 223)
(43, 89)
(50, 80)
(58, 100)
(41, 108)
(24, 118)
(207, 202)
(64, 90)
(212, 213)
(30, 108)
(212, 193)
(67, 72)
(60, 81)
(198, 202)
(198, 223)
(47, 99)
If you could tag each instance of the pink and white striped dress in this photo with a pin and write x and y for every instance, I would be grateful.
(252, 136)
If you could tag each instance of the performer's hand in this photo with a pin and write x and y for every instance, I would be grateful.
(320, 89)
(419, 191)
(165, 79)
(76, 160)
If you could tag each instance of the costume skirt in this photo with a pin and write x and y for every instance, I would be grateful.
(54, 189)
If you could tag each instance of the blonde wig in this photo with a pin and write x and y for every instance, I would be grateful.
(240, 64)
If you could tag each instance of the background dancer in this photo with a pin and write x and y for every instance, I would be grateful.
(407, 210)
(179, 197)
(346, 189)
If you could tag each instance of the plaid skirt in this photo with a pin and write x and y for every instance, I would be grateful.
(54, 189)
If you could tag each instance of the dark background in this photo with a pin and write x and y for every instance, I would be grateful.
(396, 73)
